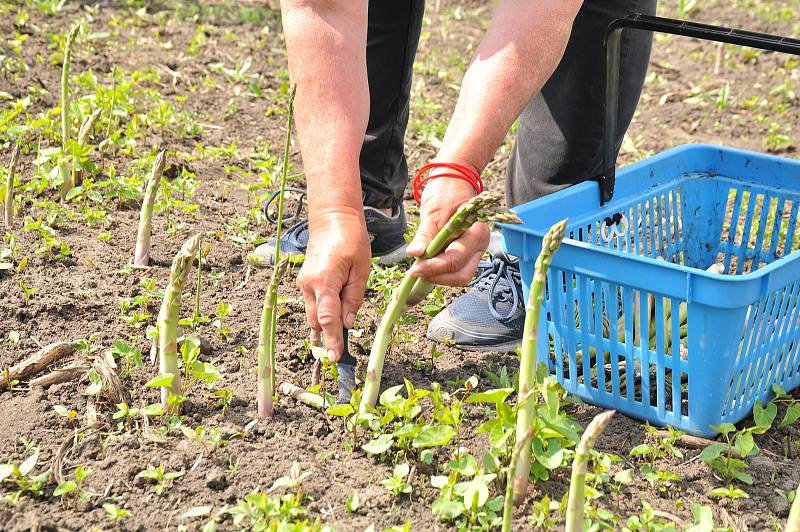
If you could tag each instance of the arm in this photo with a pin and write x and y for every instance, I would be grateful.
(518, 54)
(326, 44)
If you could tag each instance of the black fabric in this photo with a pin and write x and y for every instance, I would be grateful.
(559, 137)
(392, 38)
(560, 134)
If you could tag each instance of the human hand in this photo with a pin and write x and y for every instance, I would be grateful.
(334, 274)
(457, 263)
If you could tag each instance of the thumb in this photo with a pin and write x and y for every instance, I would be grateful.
(428, 228)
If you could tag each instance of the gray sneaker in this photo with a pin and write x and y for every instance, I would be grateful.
(385, 234)
(490, 316)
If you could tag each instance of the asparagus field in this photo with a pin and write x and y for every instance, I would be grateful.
(158, 375)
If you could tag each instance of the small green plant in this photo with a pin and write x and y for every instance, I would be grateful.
(352, 503)
(115, 513)
(21, 475)
(728, 459)
(74, 487)
(731, 492)
(161, 477)
(221, 313)
(397, 483)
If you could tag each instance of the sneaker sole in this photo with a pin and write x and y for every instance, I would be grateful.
(506, 346)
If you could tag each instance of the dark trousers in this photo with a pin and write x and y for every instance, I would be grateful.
(559, 137)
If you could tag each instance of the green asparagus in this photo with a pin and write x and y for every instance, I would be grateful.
(579, 467)
(9, 208)
(64, 161)
(169, 315)
(530, 341)
(141, 256)
(482, 208)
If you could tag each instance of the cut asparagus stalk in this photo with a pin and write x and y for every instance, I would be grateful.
(9, 208)
(530, 341)
(482, 208)
(793, 523)
(141, 257)
(266, 345)
(169, 315)
(64, 161)
(579, 465)
(304, 396)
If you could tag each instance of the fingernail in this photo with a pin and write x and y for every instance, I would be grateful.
(332, 357)
(349, 321)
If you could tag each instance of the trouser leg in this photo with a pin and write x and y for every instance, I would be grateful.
(560, 134)
(392, 38)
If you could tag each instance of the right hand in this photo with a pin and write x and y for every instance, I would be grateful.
(456, 264)
(334, 273)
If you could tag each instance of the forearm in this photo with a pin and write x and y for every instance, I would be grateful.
(326, 43)
(521, 49)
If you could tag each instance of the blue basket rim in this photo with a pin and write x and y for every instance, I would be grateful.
(741, 278)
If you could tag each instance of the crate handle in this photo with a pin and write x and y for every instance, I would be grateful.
(638, 21)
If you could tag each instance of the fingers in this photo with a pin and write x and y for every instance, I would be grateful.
(456, 265)
(352, 297)
(329, 317)
(428, 228)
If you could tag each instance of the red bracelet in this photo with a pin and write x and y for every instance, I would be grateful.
(458, 171)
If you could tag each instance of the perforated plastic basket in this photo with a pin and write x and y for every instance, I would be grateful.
(687, 209)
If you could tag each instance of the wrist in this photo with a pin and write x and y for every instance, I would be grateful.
(341, 217)
(452, 171)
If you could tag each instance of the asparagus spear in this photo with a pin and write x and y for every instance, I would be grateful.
(482, 208)
(793, 523)
(266, 342)
(83, 136)
(269, 313)
(64, 162)
(9, 210)
(530, 339)
(508, 505)
(579, 465)
(141, 256)
(170, 313)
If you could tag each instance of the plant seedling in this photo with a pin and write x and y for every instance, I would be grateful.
(396, 484)
(160, 477)
(115, 513)
(74, 486)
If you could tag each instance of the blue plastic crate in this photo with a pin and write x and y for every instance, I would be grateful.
(687, 209)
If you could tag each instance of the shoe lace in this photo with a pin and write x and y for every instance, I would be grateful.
(492, 272)
(301, 200)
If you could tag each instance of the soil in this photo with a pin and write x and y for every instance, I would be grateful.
(81, 295)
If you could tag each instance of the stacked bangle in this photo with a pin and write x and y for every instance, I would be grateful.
(456, 170)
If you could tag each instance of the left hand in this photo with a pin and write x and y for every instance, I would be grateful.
(457, 263)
